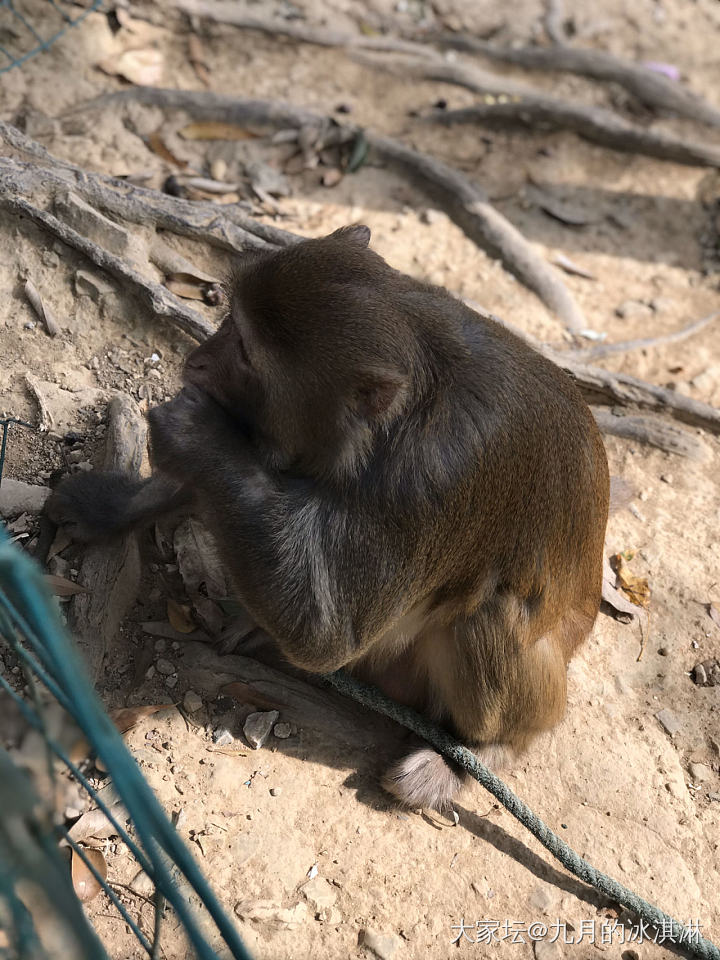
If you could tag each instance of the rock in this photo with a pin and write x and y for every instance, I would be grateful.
(382, 945)
(267, 911)
(700, 772)
(222, 737)
(91, 286)
(275, 791)
(141, 883)
(430, 216)
(707, 673)
(87, 221)
(547, 950)
(17, 497)
(631, 308)
(668, 721)
(257, 727)
(164, 667)
(58, 567)
(268, 179)
(282, 730)
(192, 701)
(320, 894)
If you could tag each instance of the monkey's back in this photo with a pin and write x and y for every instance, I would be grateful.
(530, 500)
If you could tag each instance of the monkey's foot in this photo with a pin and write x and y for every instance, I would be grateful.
(424, 779)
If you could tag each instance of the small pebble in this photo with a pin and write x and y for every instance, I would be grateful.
(171, 682)
(668, 721)
(222, 737)
(165, 667)
(700, 772)
(257, 727)
(282, 730)
(275, 791)
(192, 701)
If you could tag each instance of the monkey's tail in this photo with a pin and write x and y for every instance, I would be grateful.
(426, 778)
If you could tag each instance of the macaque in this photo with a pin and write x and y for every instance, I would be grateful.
(397, 485)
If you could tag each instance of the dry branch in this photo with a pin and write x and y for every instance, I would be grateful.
(110, 572)
(596, 124)
(462, 200)
(649, 87)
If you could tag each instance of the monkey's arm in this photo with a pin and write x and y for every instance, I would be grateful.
(296, 557)
(97, 506)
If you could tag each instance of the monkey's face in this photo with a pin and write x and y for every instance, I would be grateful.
(311, 356)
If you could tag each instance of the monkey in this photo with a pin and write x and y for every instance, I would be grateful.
(399, 486)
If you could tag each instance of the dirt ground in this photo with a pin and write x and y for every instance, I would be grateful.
(638, 802)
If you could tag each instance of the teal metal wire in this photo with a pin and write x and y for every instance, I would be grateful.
(30, 624)
(27, 37)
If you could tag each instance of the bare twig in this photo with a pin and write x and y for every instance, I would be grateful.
(592, 123)
(461, 199)
(649, 87)
(625, 346)
(158, 299)
(653, 431)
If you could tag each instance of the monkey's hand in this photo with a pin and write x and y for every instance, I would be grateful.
(185, 433)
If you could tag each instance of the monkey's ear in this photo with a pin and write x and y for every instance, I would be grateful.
(356, 233)
(380, 392)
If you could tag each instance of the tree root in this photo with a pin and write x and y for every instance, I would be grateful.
(157, 298)
(596, 124)
(110, 572)
(653, 431)
(625, 346)
(652, 89)
(462, 200)
(20, 179)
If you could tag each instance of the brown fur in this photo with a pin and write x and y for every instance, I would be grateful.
(398, 486)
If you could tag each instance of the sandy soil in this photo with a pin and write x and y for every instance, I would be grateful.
(637, 802)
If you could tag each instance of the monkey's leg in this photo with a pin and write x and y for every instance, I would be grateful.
(494, 687)
(96, 506)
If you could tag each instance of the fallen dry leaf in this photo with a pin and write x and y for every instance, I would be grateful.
(158, 146)
(94, 823)
(62, 587)
(126, 717)
(637, 588)
(212, 130)
(85, 884)
(143, 66)
(186, 289)
(179, 616)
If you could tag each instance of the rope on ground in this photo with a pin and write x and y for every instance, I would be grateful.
(369, 696)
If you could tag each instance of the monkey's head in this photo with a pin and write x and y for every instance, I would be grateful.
(314, 355)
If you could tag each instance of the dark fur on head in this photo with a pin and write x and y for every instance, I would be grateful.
(319, 393)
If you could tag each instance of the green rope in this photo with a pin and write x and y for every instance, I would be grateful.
(372, 697)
